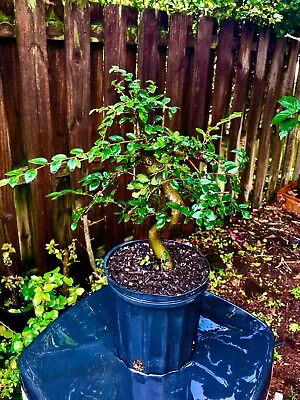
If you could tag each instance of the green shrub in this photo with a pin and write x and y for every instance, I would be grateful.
(284, 16)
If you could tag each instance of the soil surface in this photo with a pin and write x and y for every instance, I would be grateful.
(256, 264)
(135, 267)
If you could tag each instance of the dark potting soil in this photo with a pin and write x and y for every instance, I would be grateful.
(135, 267)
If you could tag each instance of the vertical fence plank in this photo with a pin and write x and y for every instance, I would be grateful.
(297, 160)
(77, 45)
(148, 46)
(78, 89)
(162, 53)
(62, 207)
(148, 58)
(115, 24)
(32, 49)
(8, 221)
(268, 113)
(180, 26)
(255, 108)
(97, 70)
(8, 142)
(288, 91)
(277, 148)
(224, 72)
(241, 86)
(132, 35)
(11, 83)
(200, 74)
(98, 230)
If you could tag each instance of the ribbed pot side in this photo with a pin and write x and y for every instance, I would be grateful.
(156, 333)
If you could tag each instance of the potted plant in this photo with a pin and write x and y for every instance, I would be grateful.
(288, 119)
(174, 178)
(14, 309)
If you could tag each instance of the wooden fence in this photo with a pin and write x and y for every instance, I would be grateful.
(54, 67)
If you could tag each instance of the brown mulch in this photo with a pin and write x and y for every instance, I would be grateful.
(255, 264)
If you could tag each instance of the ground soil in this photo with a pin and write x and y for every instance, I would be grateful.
(134, 266)
(255, 264)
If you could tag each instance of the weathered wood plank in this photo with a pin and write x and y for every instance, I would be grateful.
(11, 82)
(180, 26)
(297, 160)
(200, 74)
(115, 23)
(148, 46)
(77, 47)
(277, 145)
(224, 72)
(8, 221)
(162, 54)
(131, 66)
(32, 49)
(148, 59)
(268, 113)
(255, 108)
(288, 85)
(241, 80)
(97, 71)
(62, 209)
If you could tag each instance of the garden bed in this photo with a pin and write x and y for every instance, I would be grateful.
(256, 264)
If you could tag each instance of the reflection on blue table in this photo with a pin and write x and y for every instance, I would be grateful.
(75, 358)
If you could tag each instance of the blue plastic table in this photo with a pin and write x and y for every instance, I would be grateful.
(74, 358)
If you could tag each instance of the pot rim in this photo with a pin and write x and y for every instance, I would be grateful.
(145, 298)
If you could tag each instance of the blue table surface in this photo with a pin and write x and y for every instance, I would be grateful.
(75, 358)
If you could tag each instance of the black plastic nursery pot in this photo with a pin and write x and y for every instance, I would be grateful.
(16, 321)
(156, 333)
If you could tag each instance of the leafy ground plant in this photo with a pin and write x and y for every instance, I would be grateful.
(182, 179)
(48, 296)
(11, 284)
(288, 118)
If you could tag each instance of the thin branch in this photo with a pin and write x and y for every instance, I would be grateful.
(88, 242)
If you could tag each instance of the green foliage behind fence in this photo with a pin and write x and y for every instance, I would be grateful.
(283, 16)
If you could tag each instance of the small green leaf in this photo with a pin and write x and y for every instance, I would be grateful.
(131, 135)
(55, 166)
(59, 157)
(39, 161)
(72, 164)
(289, 102)
(288, 125)
(68, 281)
(48, 287)
(282, 115)
(38, 298)
(13, 181)
(116, 138)
(174, 184)
(18, 346)
(160, 223)
(39, 310)
(142, 178)
(173, 205)
(222, 178)
(77, 151)
(30, 175)
(79, 291)
(246, 214)
(4, 182)
(210, 215)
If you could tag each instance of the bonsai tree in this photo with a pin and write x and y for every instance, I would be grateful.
(175, 177)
